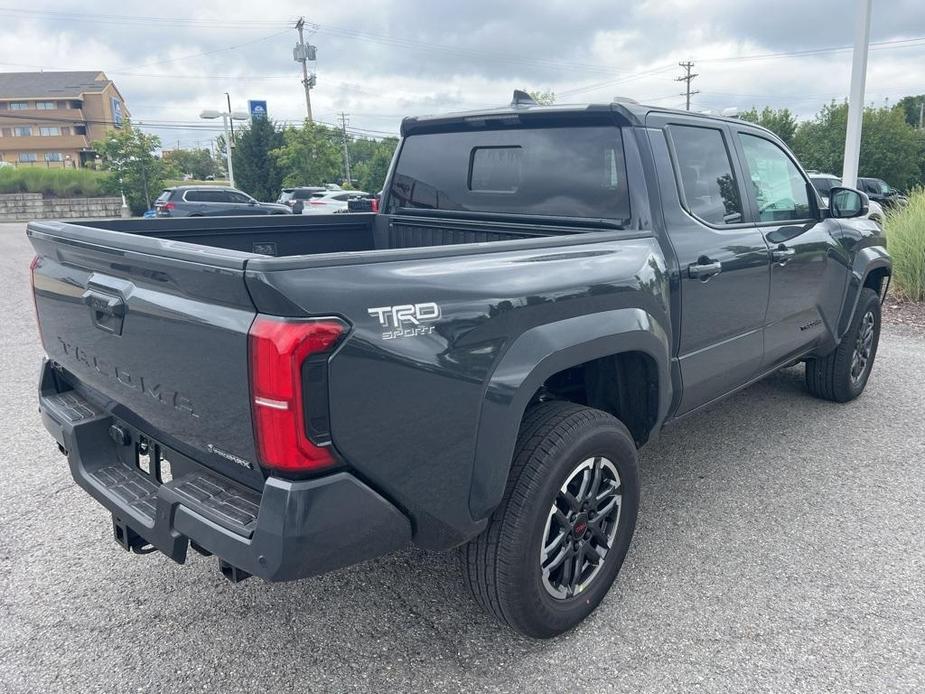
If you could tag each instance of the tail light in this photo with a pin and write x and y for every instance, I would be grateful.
(167, 206)
(281, 351)
(317, 202)
(374, 205)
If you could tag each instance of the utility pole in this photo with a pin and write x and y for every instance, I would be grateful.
(230, 143)
(849, 174)
(343, 127)
(302, 53)
(687, 77)
(921, 114)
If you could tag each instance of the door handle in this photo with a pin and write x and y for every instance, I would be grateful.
(704, 269)
(781, 255)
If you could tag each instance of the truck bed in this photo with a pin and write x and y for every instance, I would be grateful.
(299, 235)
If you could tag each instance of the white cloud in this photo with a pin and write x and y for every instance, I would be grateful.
(381, 59)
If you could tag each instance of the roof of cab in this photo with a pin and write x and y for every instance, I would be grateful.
(628, 110)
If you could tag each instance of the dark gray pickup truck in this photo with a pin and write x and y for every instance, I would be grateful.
(473, 367)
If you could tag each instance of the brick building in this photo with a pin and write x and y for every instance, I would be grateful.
(52, 118)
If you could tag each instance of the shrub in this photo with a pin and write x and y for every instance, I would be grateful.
(905, 232)
(59, 183)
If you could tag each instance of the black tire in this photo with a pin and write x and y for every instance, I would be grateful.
(502, 566)
(838, 376)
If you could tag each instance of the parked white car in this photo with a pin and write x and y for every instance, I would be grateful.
(823, 183)
(331, 201)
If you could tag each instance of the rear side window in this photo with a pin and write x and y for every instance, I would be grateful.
(199, 196)
(778, 186)
(710, 187)
(560, 172)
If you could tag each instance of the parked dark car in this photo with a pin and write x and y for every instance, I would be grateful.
(472, 368)
(212, 201)
(882, 192)
(295, 198)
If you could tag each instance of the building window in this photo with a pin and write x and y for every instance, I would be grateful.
(80, 129)
(23, 131)
(19, 105)
(46, 105)
(50, 131)
(54, 156)
(28, 156)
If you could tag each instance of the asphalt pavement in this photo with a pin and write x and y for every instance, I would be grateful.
(780, 548)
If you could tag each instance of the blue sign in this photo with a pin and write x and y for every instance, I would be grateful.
(258, 109)
(116, 112)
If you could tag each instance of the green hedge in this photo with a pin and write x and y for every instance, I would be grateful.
(59, 183)
(905, 232)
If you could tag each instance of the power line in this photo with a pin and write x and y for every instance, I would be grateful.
(686, 78)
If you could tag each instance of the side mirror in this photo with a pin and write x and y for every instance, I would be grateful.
(845, 203)
(251, 202)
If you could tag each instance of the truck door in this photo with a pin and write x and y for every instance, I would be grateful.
(723, 259)
(807, 264)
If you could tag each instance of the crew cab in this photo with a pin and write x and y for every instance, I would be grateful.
(473, 368)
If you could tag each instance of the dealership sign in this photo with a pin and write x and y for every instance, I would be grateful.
(258, 109)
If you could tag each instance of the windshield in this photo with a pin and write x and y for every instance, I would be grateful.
(824, 185)
(559, 172)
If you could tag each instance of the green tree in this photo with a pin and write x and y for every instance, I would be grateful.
(255, 171)
(128, 156)
(912, 108)
(891, 149)
(197, 163)
(781, 121)
(369, 162)
(310, 155)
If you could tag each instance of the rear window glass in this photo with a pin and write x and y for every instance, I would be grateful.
(710, 187)
(164, 197)
(560, 172)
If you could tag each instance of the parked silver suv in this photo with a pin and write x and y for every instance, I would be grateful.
(211, 201)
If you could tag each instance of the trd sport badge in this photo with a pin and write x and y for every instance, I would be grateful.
(406, 320)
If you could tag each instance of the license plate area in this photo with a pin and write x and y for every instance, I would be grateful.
(150, 458)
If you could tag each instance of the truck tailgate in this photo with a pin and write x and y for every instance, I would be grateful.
(157, 328)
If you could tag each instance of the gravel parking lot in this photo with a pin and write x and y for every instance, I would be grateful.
(779, 548)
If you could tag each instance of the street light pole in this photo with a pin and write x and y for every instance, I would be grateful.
(227, 118)
(228, 156)
(849, 175)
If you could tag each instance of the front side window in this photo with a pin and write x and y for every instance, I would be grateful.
(572, 171)
(23, 131)
(238, 198)
(710, 186)
(778, 186)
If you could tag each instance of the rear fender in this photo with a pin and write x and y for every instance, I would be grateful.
(532, 359)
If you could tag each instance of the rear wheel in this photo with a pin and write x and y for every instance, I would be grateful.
(842, 375)
(555, 544)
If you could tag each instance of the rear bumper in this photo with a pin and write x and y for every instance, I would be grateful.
(290, 530)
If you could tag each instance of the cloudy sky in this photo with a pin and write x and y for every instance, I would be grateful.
(379, 60)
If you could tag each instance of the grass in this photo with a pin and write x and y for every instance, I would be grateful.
(905, 233)
(57, 183)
